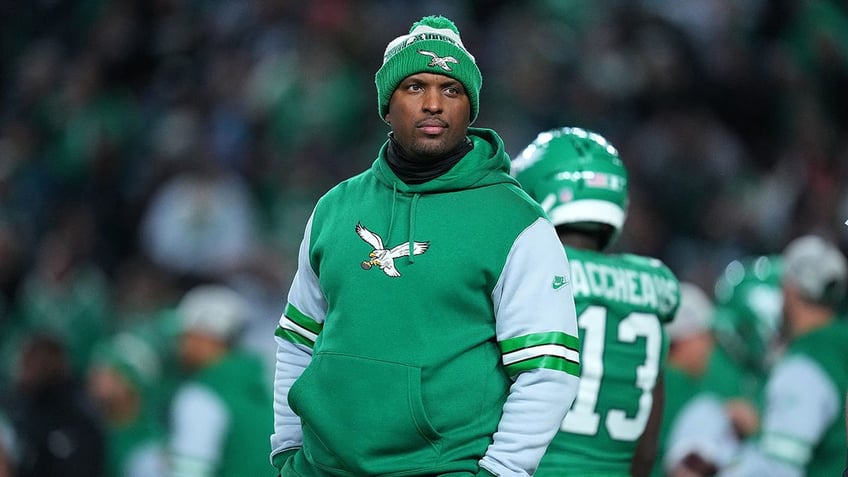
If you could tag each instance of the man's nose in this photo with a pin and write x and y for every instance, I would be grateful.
(432, 100)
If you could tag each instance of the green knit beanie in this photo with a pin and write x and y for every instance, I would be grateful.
(131, 357)
(432, 46)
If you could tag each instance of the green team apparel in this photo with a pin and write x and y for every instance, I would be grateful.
(622, 302)
(803, 428)
(680, 388)
(237, 385)
(430, 328)
(139, 444)
(747, 320)
(727, 379)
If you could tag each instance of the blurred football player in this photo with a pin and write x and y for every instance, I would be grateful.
(691, 344)
(803, 433)
(622, 302)
(747, 330)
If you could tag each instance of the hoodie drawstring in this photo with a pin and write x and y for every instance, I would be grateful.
(412, 207)
(392, 217)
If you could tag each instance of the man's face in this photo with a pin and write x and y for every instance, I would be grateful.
(791, 298)
(197, 349)
(110, 390)
(429, 115)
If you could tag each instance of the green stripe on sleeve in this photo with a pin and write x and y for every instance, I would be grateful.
(300, 319)
(550, 350)
(787, 448)
(289, 335)
(298, 327)
(555, 363)
(537, 339)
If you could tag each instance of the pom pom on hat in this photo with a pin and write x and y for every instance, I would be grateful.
(435, 21)
(433, 45)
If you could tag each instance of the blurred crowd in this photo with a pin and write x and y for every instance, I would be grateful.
(147, 147)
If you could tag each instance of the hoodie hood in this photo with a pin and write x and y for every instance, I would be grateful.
(486, 164)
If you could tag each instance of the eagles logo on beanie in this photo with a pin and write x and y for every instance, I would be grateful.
(432, 46)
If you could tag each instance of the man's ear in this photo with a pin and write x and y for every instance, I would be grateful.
(388, 118)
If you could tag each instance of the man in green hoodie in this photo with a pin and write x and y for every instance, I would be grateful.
(430, 328)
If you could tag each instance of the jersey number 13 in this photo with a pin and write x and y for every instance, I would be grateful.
(583, 418)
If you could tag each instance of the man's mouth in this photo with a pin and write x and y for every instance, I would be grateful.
(431, 126)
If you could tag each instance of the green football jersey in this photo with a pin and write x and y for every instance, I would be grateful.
(730, 380)
(622, 302)
(680, 388)
(826, 348)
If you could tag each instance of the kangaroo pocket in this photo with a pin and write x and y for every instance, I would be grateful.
(364, 416)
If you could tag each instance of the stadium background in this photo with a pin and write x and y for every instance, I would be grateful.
(149, 145)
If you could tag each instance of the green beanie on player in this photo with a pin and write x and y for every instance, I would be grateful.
(131, 357)
(433, 45)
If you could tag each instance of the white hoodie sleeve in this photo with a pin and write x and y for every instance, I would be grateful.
(299, 326)
(801, 403)
(199, 426)
(537, 330)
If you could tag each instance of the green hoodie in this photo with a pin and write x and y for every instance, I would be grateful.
(826, 347)
(238, 381)
(416, 326)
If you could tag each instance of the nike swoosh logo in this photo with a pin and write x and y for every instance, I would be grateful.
(559, 282)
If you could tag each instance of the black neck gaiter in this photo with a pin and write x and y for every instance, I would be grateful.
(417, 172)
